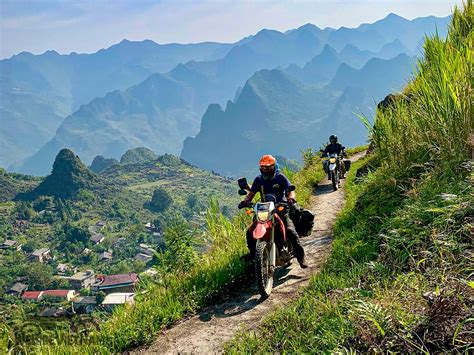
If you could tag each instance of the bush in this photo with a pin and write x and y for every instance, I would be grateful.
(161, 200)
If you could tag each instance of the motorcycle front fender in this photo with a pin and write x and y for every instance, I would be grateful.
(261, 229)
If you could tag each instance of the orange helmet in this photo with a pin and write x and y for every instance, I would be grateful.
(267, 160)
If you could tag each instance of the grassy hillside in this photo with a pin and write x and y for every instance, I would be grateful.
(400, 276)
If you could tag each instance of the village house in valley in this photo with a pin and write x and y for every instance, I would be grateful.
(67, 295)
(116, 299)
(83, 279)
(116, 283)
(97, 238)
(17, 289)
(32, 295)
(41, 255)
(84, 304)
(10, 244)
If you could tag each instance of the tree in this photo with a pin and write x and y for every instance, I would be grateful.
(24, 210)
(39, 275)
(180, 244)
(74, 237)
(160, 200)
(192, 201)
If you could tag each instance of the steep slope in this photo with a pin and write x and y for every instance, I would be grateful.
(38, 91)
(67, 178)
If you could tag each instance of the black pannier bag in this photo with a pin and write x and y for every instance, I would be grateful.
(303, 220)
(347, 165)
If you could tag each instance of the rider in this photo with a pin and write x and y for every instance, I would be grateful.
(331, 148)
(271, 181)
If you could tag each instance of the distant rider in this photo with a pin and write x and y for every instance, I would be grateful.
(271, 181)
(334, 148)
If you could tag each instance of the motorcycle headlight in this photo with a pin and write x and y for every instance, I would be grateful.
(262, 216)
(332, 160)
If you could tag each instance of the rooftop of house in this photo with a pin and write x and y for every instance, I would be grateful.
(18, 287)
(96, 237)
(85, 300)
(143, 257)
(9, 242)
(32, 295)
(62, 266)
(82, 275)
(57, 293)
(117, 280)
(118, 298)
(105, 255)
(39, 252)
(52, 312)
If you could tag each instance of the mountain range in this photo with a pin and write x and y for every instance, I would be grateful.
(161, 110)
(278, 114)
(38, 91)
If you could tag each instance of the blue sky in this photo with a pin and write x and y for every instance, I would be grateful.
(88, 25)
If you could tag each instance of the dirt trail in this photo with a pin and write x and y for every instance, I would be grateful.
(209, 330)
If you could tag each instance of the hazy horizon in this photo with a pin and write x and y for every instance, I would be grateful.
(86, 27)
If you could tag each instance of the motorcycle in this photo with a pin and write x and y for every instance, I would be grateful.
(272, 249)
(333, 169)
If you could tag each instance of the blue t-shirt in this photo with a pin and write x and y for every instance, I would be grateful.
(276, 186)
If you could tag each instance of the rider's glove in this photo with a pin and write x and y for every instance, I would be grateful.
(243, 204)
(291, 201)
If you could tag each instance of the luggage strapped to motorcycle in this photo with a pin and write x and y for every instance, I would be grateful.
(303, 220)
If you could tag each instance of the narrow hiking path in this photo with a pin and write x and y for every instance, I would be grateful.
(209, 330)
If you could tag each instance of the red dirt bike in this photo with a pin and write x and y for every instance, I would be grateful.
(272, 249)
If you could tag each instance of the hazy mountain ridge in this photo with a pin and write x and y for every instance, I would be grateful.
(278, 114)
(58, 84)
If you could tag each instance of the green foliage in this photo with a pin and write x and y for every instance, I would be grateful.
(24, 210)
(73, 238)
(192, 201)
(161, 200)
(39, 275)
(180, 255)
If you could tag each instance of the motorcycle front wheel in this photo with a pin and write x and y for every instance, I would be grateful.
(263, 269)
(334, 180)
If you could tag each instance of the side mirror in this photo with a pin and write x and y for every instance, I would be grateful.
(242, 192)
(243, 184)
(291, 188)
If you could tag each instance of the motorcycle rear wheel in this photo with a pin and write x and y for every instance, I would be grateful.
(263, 269)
